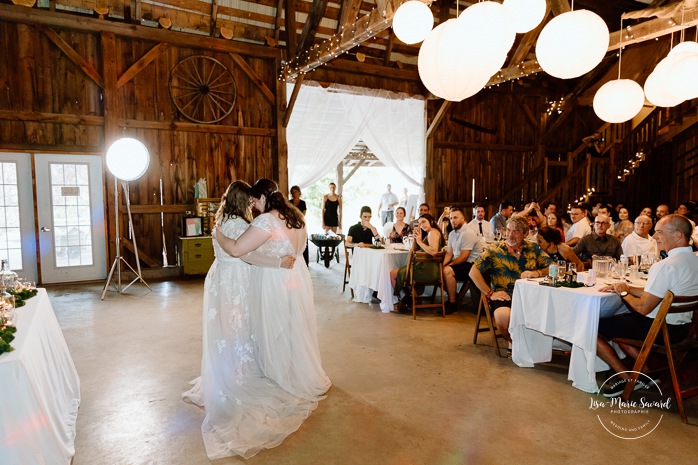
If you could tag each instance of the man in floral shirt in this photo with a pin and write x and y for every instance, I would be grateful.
(504, 263)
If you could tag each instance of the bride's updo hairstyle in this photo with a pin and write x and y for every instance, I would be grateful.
(235, 203)
(276, 201)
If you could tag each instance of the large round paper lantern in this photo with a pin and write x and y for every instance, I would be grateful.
(412, 22)
(526, 14)
(127, 159)
(446, 64)
(682, 75)
(687, 46)
(619, 101)
(657, 90)
(572, 44)
(490, 30)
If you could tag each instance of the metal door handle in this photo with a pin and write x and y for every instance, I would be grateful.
(45, 229)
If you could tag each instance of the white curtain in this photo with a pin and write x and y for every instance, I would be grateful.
(327, 123)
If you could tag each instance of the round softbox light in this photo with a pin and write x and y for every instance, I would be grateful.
(128, 159)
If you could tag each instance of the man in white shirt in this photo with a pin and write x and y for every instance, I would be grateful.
(677, 273)
(479, 224)
(639, 242)
(388, 203)
(463, 248)
(580, 228)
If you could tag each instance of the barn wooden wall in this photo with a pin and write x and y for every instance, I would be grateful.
(49, 104)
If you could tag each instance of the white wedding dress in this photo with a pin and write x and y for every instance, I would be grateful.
(246, 411)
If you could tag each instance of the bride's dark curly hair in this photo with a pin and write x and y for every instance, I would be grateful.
(276, 201)
(235, 202)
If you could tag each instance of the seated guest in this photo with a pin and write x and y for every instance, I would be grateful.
(463, 248)
(505, 262)
(424, 209)
(677, 273)
(479, 224)
(444, 222)
(499, 220)
(555, 222)
(363, 232)
(550, 240)
(533, 225)
(639, 242)
(598, 242)
(399, 228)
(623, 226)
(427, 238)
(607, 209)
(532, 209)
(580, 226)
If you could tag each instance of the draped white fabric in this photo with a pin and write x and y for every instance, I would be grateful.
(327, 123)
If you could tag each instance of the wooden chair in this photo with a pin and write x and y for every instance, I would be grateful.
(423, 257)
(347, 270)
(674, 352)
(484, 310)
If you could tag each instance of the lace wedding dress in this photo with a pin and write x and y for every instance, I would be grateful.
(283, 321)
(246, 411)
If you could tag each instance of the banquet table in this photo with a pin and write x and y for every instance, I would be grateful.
(39, 390)
(370, 271)
(540, 313)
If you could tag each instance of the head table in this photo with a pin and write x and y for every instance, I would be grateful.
(541, 313)
(370, 271)
(39, 390)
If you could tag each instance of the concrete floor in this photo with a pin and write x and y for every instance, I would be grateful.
(404, 391)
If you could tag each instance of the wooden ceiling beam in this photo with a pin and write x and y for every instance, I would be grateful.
(528, 41)
(348, 14)
(247, 69)
(291, 35)
(74, 56)
(363, 29)
(141, 64)
(60, 20)
(317, 12)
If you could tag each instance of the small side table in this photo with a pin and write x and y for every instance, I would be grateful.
(196, 254)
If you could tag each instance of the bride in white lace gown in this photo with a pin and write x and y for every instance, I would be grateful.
(246, 411)
(282, 315)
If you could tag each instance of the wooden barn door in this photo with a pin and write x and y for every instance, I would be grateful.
(70, 211)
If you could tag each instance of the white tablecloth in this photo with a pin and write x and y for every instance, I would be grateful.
(539, 313)
(39, 390)
(370, 271)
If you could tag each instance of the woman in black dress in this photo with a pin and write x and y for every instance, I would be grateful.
(300, 204)
(332, 210)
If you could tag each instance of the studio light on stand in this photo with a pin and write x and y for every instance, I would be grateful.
(127, 159)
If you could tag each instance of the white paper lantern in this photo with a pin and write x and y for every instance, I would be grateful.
(619, 101)
(446, 65)
(687, 46)
(572, 44)
(412, 22)
(526, 14)
(490, 31)
(127, 159)
(657, 90)
(682, 75)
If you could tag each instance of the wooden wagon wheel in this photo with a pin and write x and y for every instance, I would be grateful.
(203, 89)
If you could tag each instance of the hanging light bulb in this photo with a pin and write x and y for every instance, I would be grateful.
(526, 14)
(572, 44)
(412, 22)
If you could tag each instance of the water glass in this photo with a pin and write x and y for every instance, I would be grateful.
(561, 269)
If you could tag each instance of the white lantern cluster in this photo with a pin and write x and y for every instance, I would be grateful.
(572, 44)
(526, 14)
(412, 22)
(674, 78)
(619, 100)
(459, 56)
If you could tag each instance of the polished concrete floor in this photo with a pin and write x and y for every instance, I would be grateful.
(404, 391)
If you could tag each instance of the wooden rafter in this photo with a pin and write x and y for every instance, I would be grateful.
(443, 111)
(247, 69)
(291, 36)
(363, 29)
(349, 13)
(74, 56)
(317, 11)
(141, 64)
(292, 100)
(528, 41)
(277, 19)
(214, 17)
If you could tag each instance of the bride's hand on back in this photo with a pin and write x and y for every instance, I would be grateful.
(287, 262)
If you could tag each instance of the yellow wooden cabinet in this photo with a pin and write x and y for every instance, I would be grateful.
(196, 254)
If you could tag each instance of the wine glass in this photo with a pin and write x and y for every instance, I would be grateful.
(572, 267)
(561, 269)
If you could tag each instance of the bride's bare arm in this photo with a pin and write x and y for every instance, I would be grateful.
(259, 259)
(250, 240)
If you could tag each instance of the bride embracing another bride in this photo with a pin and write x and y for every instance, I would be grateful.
(261, 374)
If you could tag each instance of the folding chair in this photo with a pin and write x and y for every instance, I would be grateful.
(674, 352)
(423, 257)
(484, 310)
(347, 271)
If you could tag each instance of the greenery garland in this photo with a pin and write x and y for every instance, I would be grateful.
(21, 296)
(7, 335)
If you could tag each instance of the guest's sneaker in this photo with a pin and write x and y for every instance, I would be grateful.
(617, 388)
(451, 307)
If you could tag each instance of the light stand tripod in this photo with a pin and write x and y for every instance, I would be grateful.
(116, 265)
(127, 159)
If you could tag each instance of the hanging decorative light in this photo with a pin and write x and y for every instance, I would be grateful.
(490, 30)
(526, 14)
(572, 44)
(445, 63)
(683, 75)
(687, 46)
(657, 91)
(412, 22)
(619, 100)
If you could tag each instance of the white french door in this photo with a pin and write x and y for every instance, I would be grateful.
(17, 233)
(70, 217)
